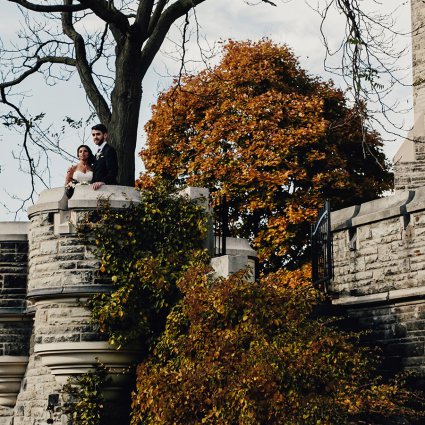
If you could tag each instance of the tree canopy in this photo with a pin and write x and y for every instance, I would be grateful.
(111, 45)
(273, 139)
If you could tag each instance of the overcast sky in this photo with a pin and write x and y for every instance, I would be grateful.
(291, 22)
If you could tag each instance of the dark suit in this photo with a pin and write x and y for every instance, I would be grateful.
(105, 167)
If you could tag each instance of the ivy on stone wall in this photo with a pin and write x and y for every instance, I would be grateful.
(144, 249)
(85, 401)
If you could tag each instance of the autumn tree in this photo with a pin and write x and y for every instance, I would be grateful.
(273, 139)
(110, 45)
(237, 352)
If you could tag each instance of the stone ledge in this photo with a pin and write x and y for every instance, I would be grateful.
(377, 210)
(12, 370)
(53, 292)
(68, 359)
(117, 197)
(50, 200)
(11, 231)
(54, 200)
(401, 203)
(382, 297)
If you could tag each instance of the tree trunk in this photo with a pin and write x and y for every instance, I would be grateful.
(125, 102)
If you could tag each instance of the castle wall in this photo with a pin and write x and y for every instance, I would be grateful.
(418, 57)
(15, 326)
(62, 273)
(379, 273)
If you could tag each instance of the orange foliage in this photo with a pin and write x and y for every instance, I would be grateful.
(272, 138)
(249, 353)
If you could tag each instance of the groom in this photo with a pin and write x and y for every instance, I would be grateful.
(105, 167)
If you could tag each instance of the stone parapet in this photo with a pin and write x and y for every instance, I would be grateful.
(379, 247)
(379, 273)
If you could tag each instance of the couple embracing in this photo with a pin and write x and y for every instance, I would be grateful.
(95, 170)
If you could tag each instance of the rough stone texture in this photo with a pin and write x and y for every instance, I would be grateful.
(379, 248)
(418, 56)
(13, 275)
(411, 174)
(399, 328)
(15, 326)
(58, 262)
(379, 274)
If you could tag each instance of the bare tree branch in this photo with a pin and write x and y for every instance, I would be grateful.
(49, 8)
(167, 18)
(84, 68)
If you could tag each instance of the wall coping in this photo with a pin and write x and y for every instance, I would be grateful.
(14, 230)
(381, 297)
(84, 197)
(49, 200)
(77, 290)
(400, 203)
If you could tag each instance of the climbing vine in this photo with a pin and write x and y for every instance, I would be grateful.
(85, 404)
(144, 250)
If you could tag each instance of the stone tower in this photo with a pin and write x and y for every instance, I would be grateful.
(409, 161)
(46, 334)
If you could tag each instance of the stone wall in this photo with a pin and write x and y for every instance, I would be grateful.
(418, 57)
(409, 175)
(15, 325)
(379, 273)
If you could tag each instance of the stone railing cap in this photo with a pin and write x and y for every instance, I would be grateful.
(85, 197)
(14, 230)
(376, 210)
(50, 200)
(54, 200)
(239, 246)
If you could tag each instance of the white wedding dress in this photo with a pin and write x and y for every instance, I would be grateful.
(83, 178)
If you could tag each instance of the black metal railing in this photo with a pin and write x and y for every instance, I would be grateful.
(321, 248)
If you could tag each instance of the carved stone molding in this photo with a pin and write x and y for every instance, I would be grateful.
(74, 358)
(12, 370)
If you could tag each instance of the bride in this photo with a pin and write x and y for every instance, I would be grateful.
(80, 173)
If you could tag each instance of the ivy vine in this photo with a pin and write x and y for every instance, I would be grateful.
(144, 250)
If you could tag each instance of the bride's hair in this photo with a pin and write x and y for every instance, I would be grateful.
(90, 159)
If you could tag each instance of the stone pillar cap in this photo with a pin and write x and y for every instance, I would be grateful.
(49, 200)
(14, 230)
